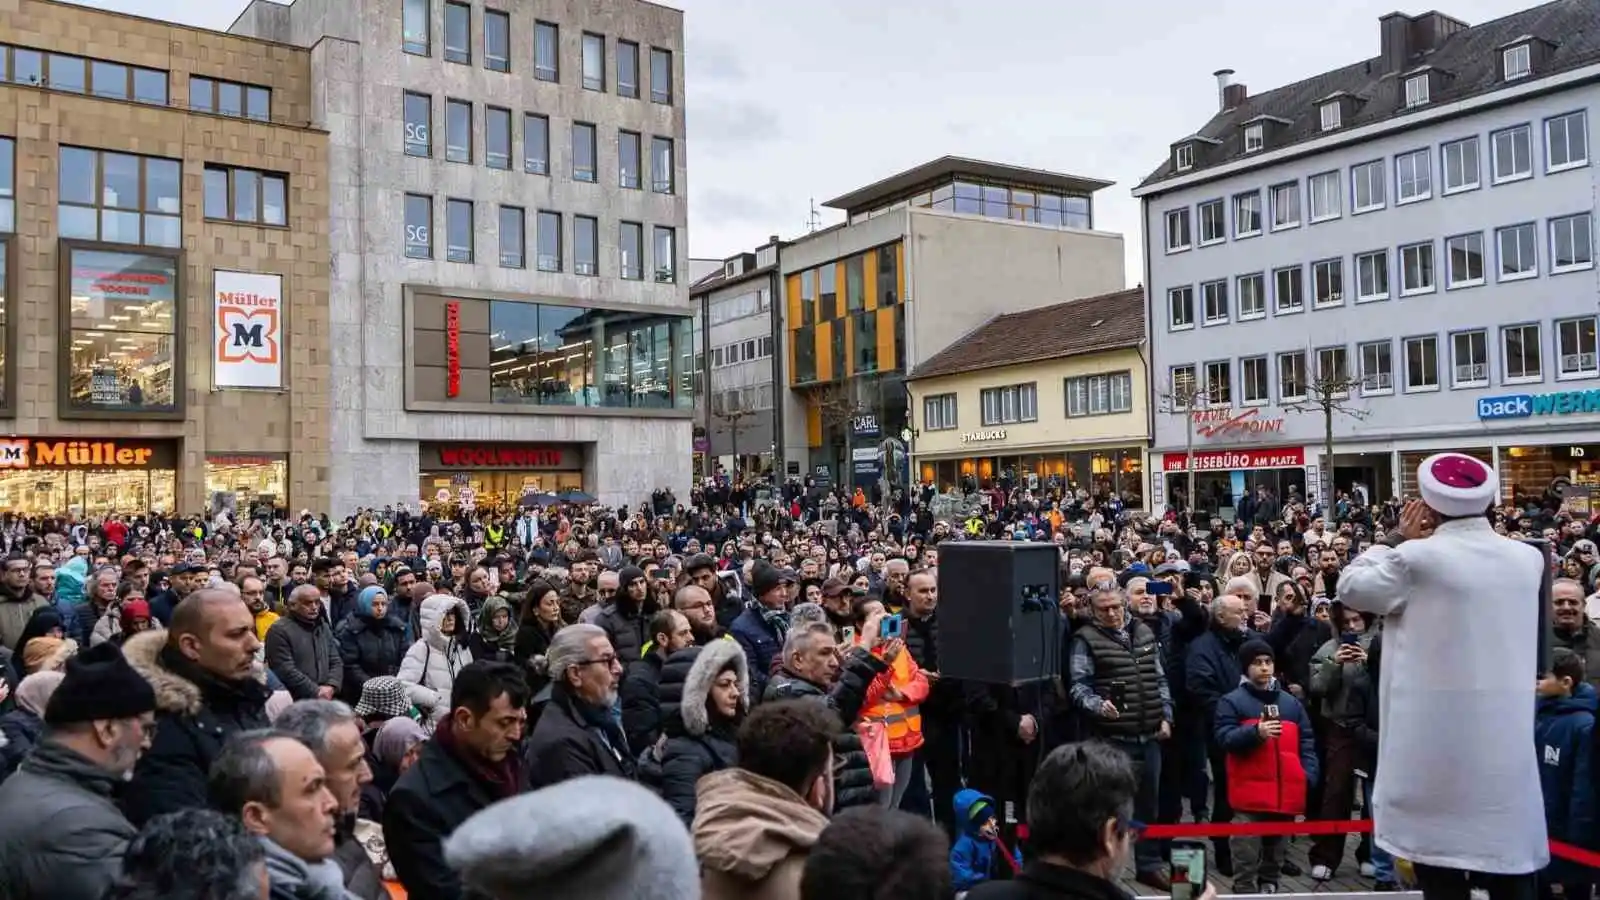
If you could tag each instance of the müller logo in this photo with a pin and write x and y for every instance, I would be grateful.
(1214, 422)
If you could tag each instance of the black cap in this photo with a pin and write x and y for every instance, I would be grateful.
(699, 561)
(764, 576)
(99, 684)
(1252, 649)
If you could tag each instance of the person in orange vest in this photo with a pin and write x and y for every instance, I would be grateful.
(859, 500)
(893, 702)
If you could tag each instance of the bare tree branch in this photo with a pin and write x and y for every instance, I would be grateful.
(1329, 394)
(1183, 397)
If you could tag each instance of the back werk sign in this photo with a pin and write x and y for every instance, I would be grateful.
(1523, 406)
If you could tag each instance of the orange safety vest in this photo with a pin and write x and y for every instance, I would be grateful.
(902, 719)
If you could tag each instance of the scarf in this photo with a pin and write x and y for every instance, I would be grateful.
(504, 778)
(599, 719)
(319, 881)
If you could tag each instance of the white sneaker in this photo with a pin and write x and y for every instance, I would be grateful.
(1321, 873)
(1368, 870)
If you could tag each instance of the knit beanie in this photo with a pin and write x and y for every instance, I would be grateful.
(1251, 649)
(594, 837)
(99, 685)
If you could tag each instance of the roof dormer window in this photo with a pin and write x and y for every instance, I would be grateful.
(1517, 61)
(1331, 115)
(1183, 157)
(1254, 137)
(1417, 90)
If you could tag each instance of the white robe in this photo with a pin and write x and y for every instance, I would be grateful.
(1458, 778)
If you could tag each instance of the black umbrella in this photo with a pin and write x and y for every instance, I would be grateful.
(530, 501)
(576, 496)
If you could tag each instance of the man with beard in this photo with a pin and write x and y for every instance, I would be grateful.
(579, 593)
(698, 607)
(1573, 629)
(301, 649)
(836, 601)
(640, 692)
(701, 569)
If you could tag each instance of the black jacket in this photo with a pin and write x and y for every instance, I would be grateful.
(369, 647)
(852, 774)
(1042, 881)
(21, 730)
(626, 626)
(641, 701)
(698, 742)
(533, 640)
(563, 745)
(427, 805)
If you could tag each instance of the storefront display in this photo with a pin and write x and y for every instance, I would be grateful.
(91, 477)
(246, 484)
(122, 348)
(1104, 473)
(1533, 471)
(496, 476)
(1223, 477)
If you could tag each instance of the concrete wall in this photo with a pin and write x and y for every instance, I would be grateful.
(756, 431)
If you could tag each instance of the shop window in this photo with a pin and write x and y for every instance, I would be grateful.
(242, 484)
(118, 198)
(548, 355)
(246, 195)
(122, 348)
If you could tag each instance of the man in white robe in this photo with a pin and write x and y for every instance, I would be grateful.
(1458, 781)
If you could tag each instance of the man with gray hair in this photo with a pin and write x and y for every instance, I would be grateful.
(276, 787)
(333, 733)
(579, 733)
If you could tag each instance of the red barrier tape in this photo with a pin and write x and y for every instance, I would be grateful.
(1559, 849)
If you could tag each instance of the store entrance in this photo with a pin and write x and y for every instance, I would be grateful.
(494, 491)
(1219, 494)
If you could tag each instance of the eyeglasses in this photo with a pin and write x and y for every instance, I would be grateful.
(609, 660)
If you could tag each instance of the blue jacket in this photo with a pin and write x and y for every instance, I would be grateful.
(1261, 778)
(1563, 732)
(972, 857)
(761, 642)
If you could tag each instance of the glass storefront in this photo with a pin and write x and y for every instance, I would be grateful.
(493, 491)
(40, 492)
(1103, 473)
(242, 482)
(1533, 472)
(547, 355)
(490, 476)
(123, 334)
(1219, 493)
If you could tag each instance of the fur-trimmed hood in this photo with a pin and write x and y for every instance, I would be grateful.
(430, 616)
(174, 693)
(708, 664)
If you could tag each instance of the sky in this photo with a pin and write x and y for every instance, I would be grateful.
(795, 101)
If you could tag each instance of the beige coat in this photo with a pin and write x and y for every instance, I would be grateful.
(752, 836)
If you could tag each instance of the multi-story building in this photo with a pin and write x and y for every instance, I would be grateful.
(164, 268)
(509, 308)
(923, 257)
(1053, 396)
(1409, 240)
(740, 416)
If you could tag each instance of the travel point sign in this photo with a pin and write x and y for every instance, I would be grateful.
(1525, 406)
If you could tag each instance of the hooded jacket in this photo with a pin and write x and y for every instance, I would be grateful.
(697, 743)
(430, 667)
(972, 857)
(488, 643)
(1266, 775)
(369, 645)
(1564, 735)
(752, 835)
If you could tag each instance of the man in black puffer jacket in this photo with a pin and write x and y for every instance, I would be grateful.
(812, 668)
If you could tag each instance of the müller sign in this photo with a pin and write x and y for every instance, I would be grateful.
(974, 437)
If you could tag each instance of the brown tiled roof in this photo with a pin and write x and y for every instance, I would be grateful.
(1086, 325)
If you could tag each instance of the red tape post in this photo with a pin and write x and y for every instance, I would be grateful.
(1558, 849)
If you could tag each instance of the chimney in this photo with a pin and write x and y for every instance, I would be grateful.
(1395, 42)
(1430, 30)
(1224, 79)
(773, 239)
(1234, 96)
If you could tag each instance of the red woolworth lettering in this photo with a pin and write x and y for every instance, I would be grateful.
(498, 457)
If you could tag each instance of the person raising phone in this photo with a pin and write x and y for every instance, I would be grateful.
(1457, 789)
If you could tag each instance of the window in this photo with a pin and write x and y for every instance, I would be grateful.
(121, 346)
(1254, 387)
(458, 231)
(1254, 138)
(548, 237)
(1330, 116)
(1416, 90)
(662, 165)
(1463, 257)
(1416, 269)
(1367, 186)
(230, 98)
(535, 144)
(1422, 363)
(418, 124)
(1099, 395)
(939, 412)
(594, 62)
(1180, 306)
(1517, 61)
(119, 198)
(1286, 205)
(1372, 276)
(1469, 359)
(107, 79)
(1183, 157)
(1333, 369)
(1183, 386)
(665, 246)
(1413, 177)
(1252, 290)
(1247, 214)
(583, 152)
(888, 274)
(246, 195)
(660, 76)
(457, 33)
(1291, 376)
(1218, 385)
(1377, 368)
(585, 245)
(1520, 354)
(1213, 222)
(1324, 191)
(1459, 160)
(513, 245)
(8, 202)
(497, 137)
(415, 27)
(1178, 230)
(67, 73)
(1575, 346)
(1519, 254)
(419, 226)
(855, 283)
(1009, 405)
(630, 250)
(1512, 149)
(571, 356)
(628, 159)
(627, 69)
(1214, 301)
(1289, 289)
(496, 40)
(546, 52)
(1327, 282)
(150, 86)
(1566, 142)
(1571, 243)
(458, 131)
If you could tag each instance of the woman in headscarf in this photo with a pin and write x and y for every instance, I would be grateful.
(394, 749)
(496, 637)
(20, 728)
(45, 622)
(371, 642)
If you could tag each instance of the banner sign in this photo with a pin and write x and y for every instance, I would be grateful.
(452, 348)
(1229, 460)
(249, 330)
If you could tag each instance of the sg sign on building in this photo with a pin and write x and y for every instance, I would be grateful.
(247, 348)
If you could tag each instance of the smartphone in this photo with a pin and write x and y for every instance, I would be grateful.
(848, 634)
(1349, 637)
(1188, 859)
(1270, 712)
(891, 627)
(1158, 588)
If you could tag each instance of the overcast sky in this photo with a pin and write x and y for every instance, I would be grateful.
(791, 100)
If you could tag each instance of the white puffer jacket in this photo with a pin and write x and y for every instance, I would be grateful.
(430, 667)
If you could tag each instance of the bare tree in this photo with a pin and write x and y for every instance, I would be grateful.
(1185, 397)
(1328, 394)
(837, 406)
(735, 419)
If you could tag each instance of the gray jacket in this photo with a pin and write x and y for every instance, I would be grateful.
(1340, 688)
(68, 844)
(304, 657)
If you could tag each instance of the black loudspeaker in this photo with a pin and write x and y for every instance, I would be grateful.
(999, 622)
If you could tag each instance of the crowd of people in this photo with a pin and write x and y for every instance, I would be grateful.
(715, 699)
